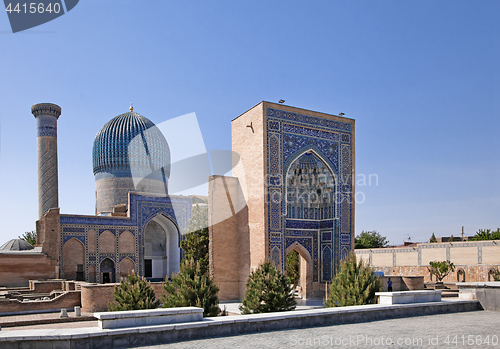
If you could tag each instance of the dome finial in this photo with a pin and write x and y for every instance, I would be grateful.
(131, 107)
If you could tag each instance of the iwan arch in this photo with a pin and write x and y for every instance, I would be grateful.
(292, 189)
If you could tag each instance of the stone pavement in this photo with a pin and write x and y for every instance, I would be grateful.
(477, 329)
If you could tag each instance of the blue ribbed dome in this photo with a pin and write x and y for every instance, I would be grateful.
(130, 145)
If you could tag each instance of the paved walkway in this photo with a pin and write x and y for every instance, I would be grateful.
(458, 330)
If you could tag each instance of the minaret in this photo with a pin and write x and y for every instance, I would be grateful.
(46, 115)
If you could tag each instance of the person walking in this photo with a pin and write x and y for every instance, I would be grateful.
(389, 285)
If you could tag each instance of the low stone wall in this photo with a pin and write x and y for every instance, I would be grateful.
(402, 283)
(96, 297)
(487, 293)
(46, 286)
(66, 300)
(406, 297)
(95, 337)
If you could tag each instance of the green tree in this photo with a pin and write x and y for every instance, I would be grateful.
(496, 274)
(486, 234)
(191, 287)
(354, 284)
(267, 291)
(370, 239)
(441, 269)
(195, 244)
(133, 293)
(292, 267)
(433, 238)
(29, 236)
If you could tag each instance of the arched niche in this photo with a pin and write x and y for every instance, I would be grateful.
(127, 266)
(73, 259)
(126, 242)
(310, 188)
(161, 248)
(107, 242)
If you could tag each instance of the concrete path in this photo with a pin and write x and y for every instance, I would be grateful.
(458, 330)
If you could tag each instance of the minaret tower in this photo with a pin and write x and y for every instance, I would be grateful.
(46, 115)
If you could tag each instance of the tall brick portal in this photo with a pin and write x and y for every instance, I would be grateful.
(293, 189)
(46, 115)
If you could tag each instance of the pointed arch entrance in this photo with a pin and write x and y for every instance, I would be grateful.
(310, 215)
(305, 269)
(161, 248)
(108, 271)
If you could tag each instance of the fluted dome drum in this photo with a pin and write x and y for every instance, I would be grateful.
(129, 154)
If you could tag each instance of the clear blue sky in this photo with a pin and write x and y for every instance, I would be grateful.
(421, 79)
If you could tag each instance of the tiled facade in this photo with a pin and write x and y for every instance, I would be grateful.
(142, 210)
(295, 178)
(310, 185)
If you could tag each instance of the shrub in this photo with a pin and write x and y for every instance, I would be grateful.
(133, 293)
(267, 291)
(191, 287)
(495, 272)
(354, 284)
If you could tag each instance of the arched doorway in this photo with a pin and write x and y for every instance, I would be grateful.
(460, 274)
(161, 248)
(305, 270)
(107, 271)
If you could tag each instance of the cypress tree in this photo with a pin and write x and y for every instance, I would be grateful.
(191, 287)
(133, 293)
(195, 244)
(267, 291)
(354, 284)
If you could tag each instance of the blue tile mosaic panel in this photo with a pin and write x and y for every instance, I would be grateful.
(313, 159)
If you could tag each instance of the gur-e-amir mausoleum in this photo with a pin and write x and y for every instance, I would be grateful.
(291, 188)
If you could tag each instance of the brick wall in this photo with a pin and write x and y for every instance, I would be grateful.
(64, 301)
(96, 297)
(18, 269)
(475, 258)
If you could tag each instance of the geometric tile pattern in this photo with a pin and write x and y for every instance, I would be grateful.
(324, 230)
(142, 210)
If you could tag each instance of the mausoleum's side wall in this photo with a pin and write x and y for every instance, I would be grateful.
(250, 144)
(229, 264)
(474, 258)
